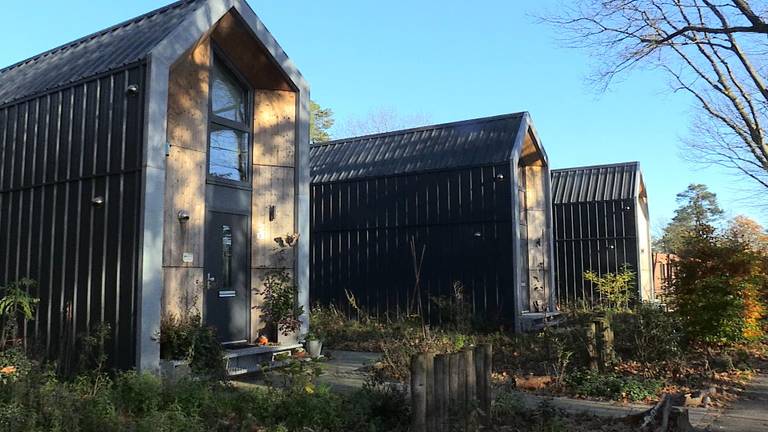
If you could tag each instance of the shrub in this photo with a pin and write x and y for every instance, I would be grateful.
(612, 385)
(509, 410)
(552, 351)
(279, 306)
(172, 419)
(717, 290)
(177, 335)
(14, 417)
(615, 288)
(647, 334)
(378, 409)
(138, 394)
(453, 311)
(339, 332)
(319, 410)
(15, 304)
(14, 365)
(97, 413)
(186, 338)
(506, 404)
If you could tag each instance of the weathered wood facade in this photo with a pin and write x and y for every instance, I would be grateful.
(601, 224)
(107, 144)
(473, 195)
(272, 166)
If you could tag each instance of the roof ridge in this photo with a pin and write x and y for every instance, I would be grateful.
(418, 129)
(608, 165)
(99, 33)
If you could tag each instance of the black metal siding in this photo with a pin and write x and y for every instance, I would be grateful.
(57, 152)
(594, 216)
(361, 231)
(597, 236)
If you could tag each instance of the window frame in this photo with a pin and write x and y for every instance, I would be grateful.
(219, 59)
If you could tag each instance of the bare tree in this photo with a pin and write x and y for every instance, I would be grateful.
(714, 50)
(382, 119)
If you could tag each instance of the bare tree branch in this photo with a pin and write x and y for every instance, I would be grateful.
(715, 51)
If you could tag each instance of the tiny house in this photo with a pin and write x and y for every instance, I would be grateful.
(459, 204)
(601, 225)
(147, 168)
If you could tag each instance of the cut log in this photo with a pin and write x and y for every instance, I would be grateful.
(667, 415)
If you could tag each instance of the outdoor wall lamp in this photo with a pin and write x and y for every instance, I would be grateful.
(182, 216)
(97, 201)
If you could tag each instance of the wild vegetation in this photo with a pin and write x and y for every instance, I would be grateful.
(36, 396)
(37, 400)
(711, 333)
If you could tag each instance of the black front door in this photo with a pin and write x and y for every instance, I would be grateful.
(226, 271)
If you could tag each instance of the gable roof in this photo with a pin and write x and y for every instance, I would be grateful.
(596, 183)
(103, 51)
(466, 143)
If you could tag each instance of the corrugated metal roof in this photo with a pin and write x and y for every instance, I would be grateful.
(596, 183)
(451, 145)
(109, 49)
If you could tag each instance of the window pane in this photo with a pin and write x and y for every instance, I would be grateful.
(227, 96)
(226, 259)
(228, 156)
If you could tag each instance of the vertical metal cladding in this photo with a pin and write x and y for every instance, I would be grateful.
(595, 222)
(362, 229)
(70, 163)
(598, 236)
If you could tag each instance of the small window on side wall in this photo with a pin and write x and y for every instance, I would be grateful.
(229, 130)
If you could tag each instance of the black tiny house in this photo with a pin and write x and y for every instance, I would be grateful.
(140, 168)
(600, 224)
(472, 195)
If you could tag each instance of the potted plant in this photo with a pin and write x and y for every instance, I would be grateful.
(313, 341)
(187, 346)
(279, 307)
(314, 344)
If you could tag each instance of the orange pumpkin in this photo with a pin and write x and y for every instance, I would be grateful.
(262, 341)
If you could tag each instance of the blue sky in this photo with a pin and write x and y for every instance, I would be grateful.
(447, 60)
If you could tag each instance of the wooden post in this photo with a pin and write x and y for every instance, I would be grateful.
(485, 398)
(471, 388)
(441, 392)
(462, 388)
(603, 341)
(480, 376)
(453, 385)
(430, 376)
(469, 359)
(591, 331)
(608, 342)
(419, 392)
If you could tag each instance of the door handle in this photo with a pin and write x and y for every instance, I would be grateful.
(210, 282)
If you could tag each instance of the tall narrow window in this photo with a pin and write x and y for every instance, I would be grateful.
(226, 258)
(229, 131)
